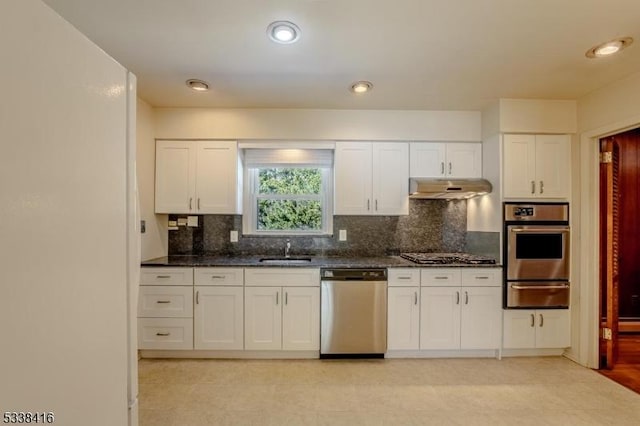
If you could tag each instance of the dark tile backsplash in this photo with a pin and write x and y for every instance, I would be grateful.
(431, 226)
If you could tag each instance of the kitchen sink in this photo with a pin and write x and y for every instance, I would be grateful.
(282, 260)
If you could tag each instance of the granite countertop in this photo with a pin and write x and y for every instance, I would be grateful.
(316, 262)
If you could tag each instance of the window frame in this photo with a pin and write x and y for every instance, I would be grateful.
(251, 197)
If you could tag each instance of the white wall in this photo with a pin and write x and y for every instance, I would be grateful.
(308, 124)
(538, 116)
(154, 242)
(63, 228)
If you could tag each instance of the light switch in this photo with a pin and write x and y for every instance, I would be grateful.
(342, 235)
(192, 221)
(233, 236)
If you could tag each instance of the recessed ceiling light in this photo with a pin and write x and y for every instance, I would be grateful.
(361, 86)
(609, 48)
(198, 85)
(283, 32)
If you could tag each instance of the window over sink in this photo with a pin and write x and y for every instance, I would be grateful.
(288, 192)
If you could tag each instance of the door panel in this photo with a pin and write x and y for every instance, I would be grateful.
(263, 318)
(403, 318)
(301, 318)
(440, 318)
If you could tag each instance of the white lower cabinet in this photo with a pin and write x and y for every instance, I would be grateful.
(536, 329)
(444, 309)
(218, 318)
(403, 318)
(285, 316)
(464, 313)
(165, 308)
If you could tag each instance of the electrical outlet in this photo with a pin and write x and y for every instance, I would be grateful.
(192, 221)
(342, 235)
(233, 236)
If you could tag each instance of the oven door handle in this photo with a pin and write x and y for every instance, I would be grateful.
(540, 287)
(543, 230)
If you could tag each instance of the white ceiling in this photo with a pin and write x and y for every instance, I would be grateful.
(419, 54)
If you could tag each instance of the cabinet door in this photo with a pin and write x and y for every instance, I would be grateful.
(175, 176)
(553, 328)
(390, 187)
(519, 329)
(464, 160)
(301, 318)
(216, 177)
(353, 178)
(403, 318)
(440, 317)
(427, 159)
(519, 166)
(481, 318)
(553, 163)
(262, 318)
(218, 318)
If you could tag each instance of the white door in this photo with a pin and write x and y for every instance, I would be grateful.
(218, 318)
(353, 178)
(262, 318)
(440, 317)
(390, 176)
(464, 160)
(301, 318)
(553, 328)
(519, 329)
(403, 318)
(519, 166)
(427, 159)
(216, 177)
(175, 176)
(481, 318)
(553, 163)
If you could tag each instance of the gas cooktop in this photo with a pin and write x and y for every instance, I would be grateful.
(448, 258)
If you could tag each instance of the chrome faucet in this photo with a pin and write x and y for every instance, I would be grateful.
(287, 247)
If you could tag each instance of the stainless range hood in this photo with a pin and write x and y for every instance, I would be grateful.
(447, 189)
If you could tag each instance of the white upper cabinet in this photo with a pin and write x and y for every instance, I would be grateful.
(197, 177)
(371, 178)
(445, 160)
(536, 166)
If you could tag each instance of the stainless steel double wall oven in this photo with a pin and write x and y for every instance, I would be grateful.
(536, 255)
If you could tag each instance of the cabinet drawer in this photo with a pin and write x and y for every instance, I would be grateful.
(165, 333)
(166, 276)
(403, 277)
(482, 277)
(218, 276)
(278, 277)
(165, 301)
(440, 277)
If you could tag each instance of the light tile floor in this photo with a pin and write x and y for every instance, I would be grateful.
(513, 391)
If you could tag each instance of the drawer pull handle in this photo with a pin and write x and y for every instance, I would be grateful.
(466, 298)
(533, 320)
(457, 297)
(197, 297)
(163, 301)
(441, 278)
(163, 276)
(163, 334)
(217, 277)
(415, 297)
(484, 277)
(404, 278)
(541, 321)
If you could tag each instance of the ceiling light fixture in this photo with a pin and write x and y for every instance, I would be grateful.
(283, 32)
(609, 48)
(361, 86)
(197, 85)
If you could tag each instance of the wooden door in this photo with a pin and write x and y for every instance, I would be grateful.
(608, 253)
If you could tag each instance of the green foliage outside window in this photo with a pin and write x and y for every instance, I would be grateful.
(289, 199)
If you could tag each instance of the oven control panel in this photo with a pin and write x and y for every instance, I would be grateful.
(536, 212)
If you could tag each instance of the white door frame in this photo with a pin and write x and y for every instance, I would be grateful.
(586, 268)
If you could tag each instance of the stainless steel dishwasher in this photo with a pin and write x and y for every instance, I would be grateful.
(353, 313)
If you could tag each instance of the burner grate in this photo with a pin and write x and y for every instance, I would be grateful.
(448, 258)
